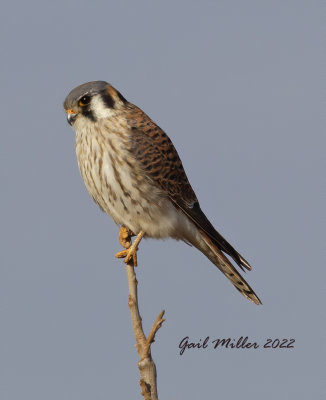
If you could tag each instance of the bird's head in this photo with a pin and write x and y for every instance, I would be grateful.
(92, 101)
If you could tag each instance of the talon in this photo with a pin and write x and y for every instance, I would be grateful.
(121, 254)
(125, 235)
(132, 255)
(128, 254)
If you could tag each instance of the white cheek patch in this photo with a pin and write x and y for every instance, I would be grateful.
(83, 124)
(100, 109)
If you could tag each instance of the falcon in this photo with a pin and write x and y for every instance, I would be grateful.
(133, 172)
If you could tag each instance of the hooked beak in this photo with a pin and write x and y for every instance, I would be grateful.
(71, 116)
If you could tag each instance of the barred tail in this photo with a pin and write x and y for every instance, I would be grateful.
(211, 250)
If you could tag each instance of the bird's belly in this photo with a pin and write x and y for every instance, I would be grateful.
(120, 188)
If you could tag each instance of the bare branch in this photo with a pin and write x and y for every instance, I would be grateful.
(146, 364)
(151, 336)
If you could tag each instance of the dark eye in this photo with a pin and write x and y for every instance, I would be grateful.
(84, 101)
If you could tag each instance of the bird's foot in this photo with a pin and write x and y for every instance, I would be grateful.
(130, 254)
(125, 235)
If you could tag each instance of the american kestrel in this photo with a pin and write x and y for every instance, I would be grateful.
(133, 172)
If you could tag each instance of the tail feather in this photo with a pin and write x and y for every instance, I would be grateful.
(199, 218)
(213, 244)
(222, 262)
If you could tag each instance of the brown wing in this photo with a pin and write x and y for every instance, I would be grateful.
(159, 158)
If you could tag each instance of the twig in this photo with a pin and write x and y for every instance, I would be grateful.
(146, 364)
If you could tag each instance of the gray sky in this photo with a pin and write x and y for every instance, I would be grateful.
(237, 86)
